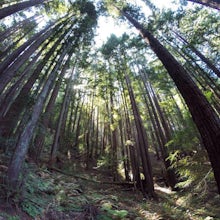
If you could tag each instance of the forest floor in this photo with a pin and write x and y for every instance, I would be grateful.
(56, 195)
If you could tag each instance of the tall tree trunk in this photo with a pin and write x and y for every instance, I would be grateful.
(210, 3)
(114, 141)
(4, 12)
(21, 98)
(13, 29)
(142, 143)
(78, 126)
(21, 148)
(9, 60)
(40, 138)
(199, 54)
(124, 152)
(161, 129)
(204, 116)
(8, 74)
(171, 176)
(55, 145)
(10, 95)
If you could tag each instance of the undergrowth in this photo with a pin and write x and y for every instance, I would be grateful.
(51, 195)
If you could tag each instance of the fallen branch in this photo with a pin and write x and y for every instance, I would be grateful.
(72, 175)
(90, 180)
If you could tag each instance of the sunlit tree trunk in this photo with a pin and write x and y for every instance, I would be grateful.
(4, 12)
(8, 74)
(205, 118)
(55, 145)
(9, 60)
(40, 137)
(15, 165)
(124, 152)
(20, 99)
(142, 143)
(14, 29)
(210, 3)
(200, 55)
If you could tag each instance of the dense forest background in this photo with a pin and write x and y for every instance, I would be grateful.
(139, 111)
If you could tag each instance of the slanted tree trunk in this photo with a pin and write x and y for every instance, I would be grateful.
(55, 145)
(204, 79)
(15, 165)
(204, 116)
(8, 74)
(200, 55)
(191, 62)
(7, 98)
(4, 12)
(8, 122)
(40, 137)
(13, 29)
(210, 3)
(142, 143)
(9, 60)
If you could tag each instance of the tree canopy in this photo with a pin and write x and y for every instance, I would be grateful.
(141, 106)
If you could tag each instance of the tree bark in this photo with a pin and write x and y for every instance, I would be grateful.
(13, 29)
(4, 12)
(200, 55)
(55, 144)
(21, 148)
(40, 138)
(10, 95)
(142, 143)
(204, 116)
(9, 60)
(21, 98)
(210, 3)
(8, 74)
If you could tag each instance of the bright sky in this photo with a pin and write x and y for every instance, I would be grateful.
(108, 26)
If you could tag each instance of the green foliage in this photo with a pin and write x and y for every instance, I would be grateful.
(191, 168)
(113, 213)
(33, 202)
(185, 138)
(170, 211)
(31, 209)
(208, 94)
(104, 162)
(9, 217)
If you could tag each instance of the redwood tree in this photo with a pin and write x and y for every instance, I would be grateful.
(4, 12)
(210, 3)
(204, 116)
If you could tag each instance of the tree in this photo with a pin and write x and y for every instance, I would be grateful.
(205, 118)
(15, 165)
(65, 104)
(200, 55)
(40, 137)
(210, 3)
(83, 37)
(142, 143)
(4, 12)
